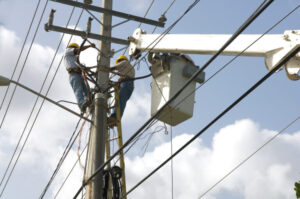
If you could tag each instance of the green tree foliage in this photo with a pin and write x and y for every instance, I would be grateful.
(297, 189)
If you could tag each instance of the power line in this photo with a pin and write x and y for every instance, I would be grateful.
(257, 12)
(24, 63)
(235, 57)
(211, 76)
(225, 64)
(94, 17)
(250, 156)
(28, 31)
(147, 11)
(37, 113)
(244, 26)
(32, 110)
(62, 159)
(218, 117)
(67, 177)
(171, 4)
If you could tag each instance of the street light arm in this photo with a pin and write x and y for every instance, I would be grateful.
(5, 82)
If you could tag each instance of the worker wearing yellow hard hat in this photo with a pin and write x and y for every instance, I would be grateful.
(75, 76)
(121, 58)
(73, 45)
(126, 72)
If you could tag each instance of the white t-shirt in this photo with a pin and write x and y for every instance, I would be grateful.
(70, 59)
(125, 70)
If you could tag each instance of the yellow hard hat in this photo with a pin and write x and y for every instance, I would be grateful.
(122, 57)
(73, 45)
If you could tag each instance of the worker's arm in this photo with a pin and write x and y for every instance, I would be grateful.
(84, 48)
(88, 46)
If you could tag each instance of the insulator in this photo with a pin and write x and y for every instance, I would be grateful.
(88, 1)
(51, 17)
(162, 18)
(88, 26)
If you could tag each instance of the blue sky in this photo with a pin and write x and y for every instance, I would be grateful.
(240, 132)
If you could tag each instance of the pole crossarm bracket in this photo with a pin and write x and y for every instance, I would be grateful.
(111, 12)
(84, 34)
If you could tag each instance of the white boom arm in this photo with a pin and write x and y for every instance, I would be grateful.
(271, 46)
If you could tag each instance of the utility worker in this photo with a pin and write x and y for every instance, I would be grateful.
(126, 72)
(75, 75)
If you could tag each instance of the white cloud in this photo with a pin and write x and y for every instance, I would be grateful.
(53, 127)
(137, 107)
(268, 174)
(139, 6)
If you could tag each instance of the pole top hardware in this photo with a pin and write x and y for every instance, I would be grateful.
(88, 1)
(88, 26)
(110, 12)
(50, 20)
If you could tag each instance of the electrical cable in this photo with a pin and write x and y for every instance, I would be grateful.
(69, 173)
(230, 61)
(21, 72)
(147, 11)
(127, 143)
(65, 101)
(67, 177)
(61, 160)
(37, 113)
(23, 45)
(237, 101)
(122, 22)
(250, 156)
(200, 69)
(156, 130)
(120, 49)
(177, 93)
(79, 145)
(64, 155)
(235, 57)
(262, 7)
(94, 17)
(223, 67)
(165, 12)
(102, 54)
(35, 103)
(252, 17)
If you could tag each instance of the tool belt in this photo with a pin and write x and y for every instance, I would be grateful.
(74, 70)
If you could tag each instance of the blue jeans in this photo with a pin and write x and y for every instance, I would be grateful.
(125, 91)
(79, 88)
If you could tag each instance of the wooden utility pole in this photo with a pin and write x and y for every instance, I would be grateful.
(99, 130)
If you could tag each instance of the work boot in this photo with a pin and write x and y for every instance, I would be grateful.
(84, 106)
(111, 122)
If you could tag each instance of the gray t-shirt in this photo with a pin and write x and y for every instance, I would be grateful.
(70, 59)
